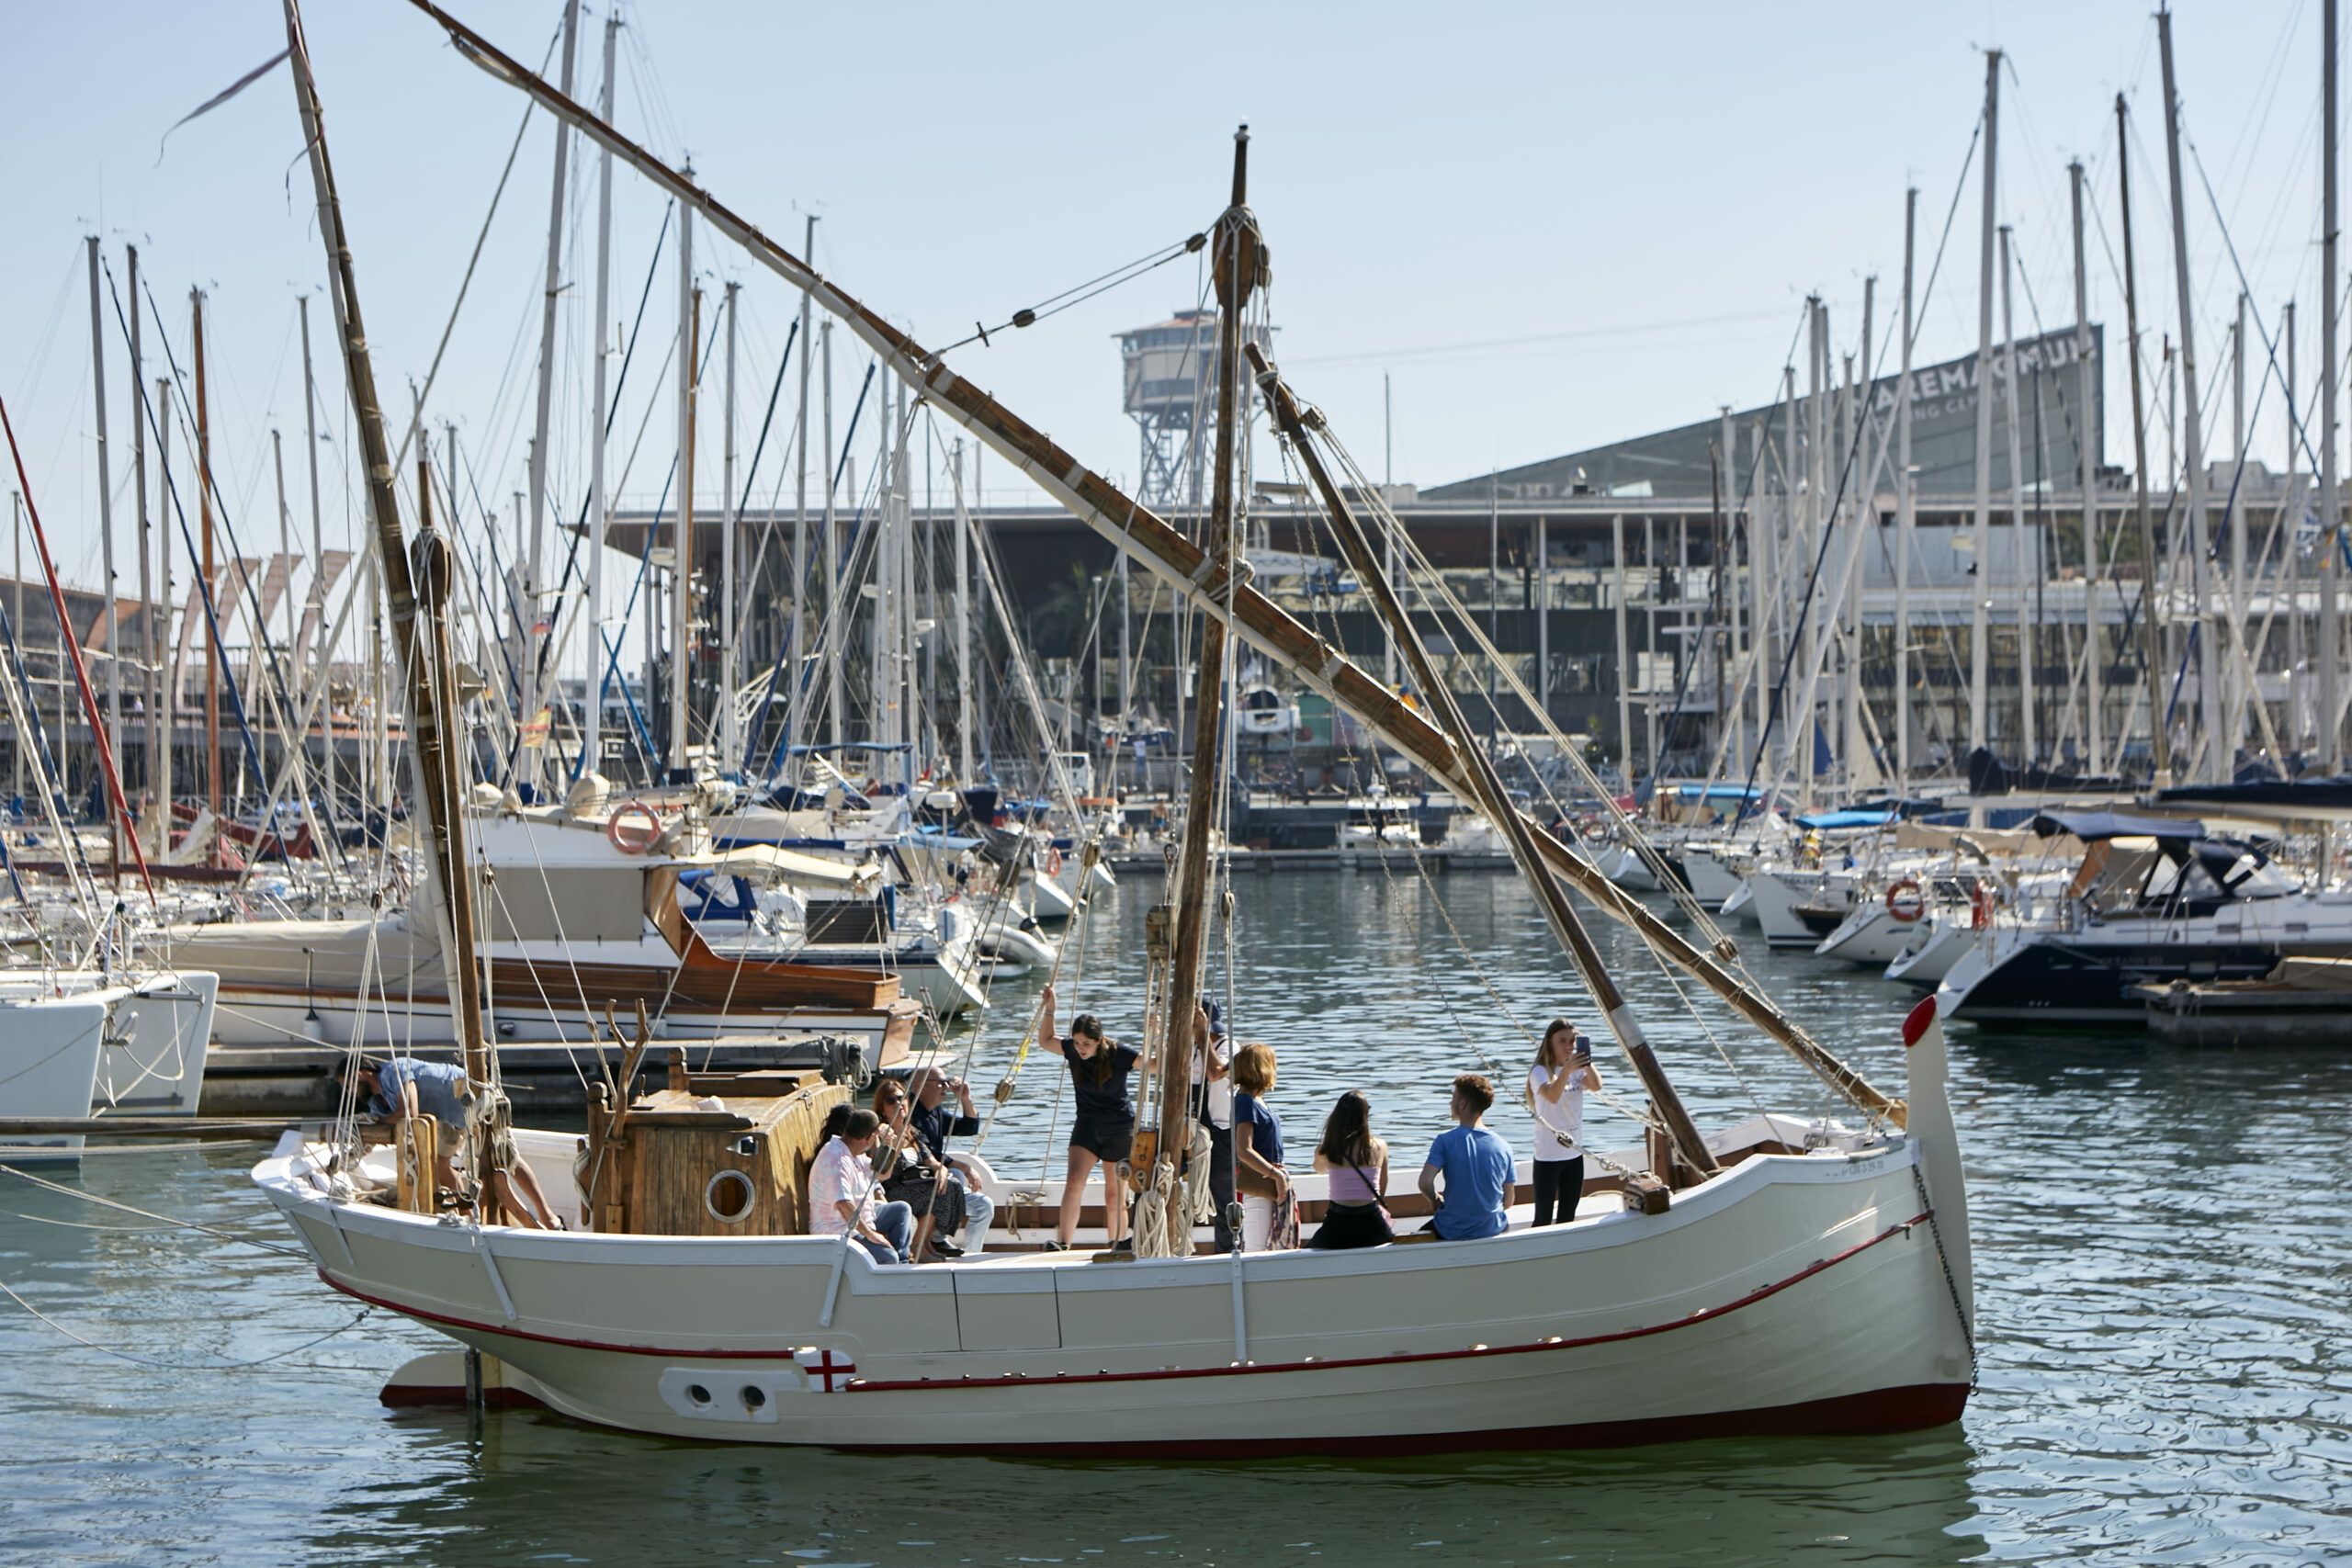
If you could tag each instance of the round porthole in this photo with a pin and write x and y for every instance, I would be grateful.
(698, 1393)
(755, 1398)
(729, 1196)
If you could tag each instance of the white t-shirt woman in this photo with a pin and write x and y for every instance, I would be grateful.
(1556, 1086)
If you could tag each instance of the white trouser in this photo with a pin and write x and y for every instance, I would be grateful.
(1257, 1220)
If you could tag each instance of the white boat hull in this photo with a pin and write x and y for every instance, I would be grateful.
(1793, 1293)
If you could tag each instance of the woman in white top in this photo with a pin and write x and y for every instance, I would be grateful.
(1556, 1086)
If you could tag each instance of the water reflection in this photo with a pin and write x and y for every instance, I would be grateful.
(520, 1487)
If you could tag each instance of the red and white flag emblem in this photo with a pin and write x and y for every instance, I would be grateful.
(829, 1372)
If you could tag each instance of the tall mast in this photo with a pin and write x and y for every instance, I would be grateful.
(1980, 592)
(105, 538)
(592, 720)
(730, 743)
(2331, 533)
(534, 574)
(799, 667)
(965, 674)
(1239, 260)
(2151, 639)
(2027, 631)
(1486, 785)
(2201, 543)
(430, 722)
(168, 673)
(681, 532)
(315, 610)
(1904, 500)
(211, 578)
(836, 678)
(150, 649)
(2086, 432)
(2239, 688)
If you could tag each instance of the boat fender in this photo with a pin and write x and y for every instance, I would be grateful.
(1904, 902)
(633, 828)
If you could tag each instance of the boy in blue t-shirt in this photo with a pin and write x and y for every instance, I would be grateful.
(1477, 1165)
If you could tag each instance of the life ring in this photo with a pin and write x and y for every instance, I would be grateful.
(1053, 861)
(636, 841)
(1980, 906)
(1904, 902)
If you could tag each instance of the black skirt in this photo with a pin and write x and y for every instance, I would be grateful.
(1352, 1224)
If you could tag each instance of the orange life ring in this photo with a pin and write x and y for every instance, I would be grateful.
(1053, 861)
(638, 841)
(1980, 906)
(1904, 902)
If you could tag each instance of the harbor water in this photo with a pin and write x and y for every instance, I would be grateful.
(2162, 1273)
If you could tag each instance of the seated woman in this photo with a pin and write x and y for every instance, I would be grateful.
(909, 1174)
(1358, 1164)
(843, 1193)
(1268, 1207)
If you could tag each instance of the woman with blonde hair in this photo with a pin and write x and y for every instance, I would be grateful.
(1556, 1086)
(1269, 1208)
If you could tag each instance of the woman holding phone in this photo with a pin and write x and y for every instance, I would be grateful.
(1556, 1086)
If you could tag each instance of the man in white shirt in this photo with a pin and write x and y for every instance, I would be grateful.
(841, 1194)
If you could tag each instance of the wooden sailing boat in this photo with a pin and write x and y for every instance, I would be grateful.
(1794, 1282)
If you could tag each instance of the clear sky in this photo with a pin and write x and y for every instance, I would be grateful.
(1550, 225)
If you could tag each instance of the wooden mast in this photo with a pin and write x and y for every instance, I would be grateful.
(449, 891)
(1238, 264)
(1319, 665)
(1487, 788)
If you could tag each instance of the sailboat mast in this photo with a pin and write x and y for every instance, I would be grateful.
(1486, 783)
(1239, 258)
(2208, 679)
(682, 530)
(150, 646)
(798, 669)
(2027, 630)
(535, 573)
(729, 742)
(211, 577)
(450, 896)
(965, 674)
(2151, 638)
(2093, 629)
(2331, 533)
(1905, 501)
(591, 719)
(106, 540)
(1979, 632)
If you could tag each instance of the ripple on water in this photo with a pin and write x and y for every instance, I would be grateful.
(2162, 1273)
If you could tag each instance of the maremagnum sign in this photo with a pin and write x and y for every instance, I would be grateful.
(2043, 370)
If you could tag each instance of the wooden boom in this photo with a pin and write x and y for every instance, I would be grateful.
(1153, 544)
